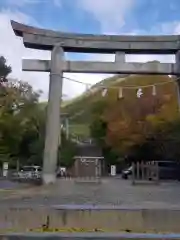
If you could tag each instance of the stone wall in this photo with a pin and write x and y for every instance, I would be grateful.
(20, 219)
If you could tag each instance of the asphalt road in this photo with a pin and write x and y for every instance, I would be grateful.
(116, 192)
(90, 236)
(6, 184)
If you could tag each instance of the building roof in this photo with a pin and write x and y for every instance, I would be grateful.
(89, 150)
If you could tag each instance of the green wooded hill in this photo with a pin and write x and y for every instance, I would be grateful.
(80, 108)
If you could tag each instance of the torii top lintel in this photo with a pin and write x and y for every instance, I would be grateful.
(88, 43)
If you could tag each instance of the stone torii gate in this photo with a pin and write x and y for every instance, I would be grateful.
(59, 42)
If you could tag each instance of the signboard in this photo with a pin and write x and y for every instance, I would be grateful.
(113, 170)
(87, 160)
(5, 169)
(5, 166)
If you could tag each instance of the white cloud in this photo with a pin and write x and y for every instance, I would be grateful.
(145, 58)
(58, 3)
(13, 49)
(163, 28)
(111, 16)
(21, 3)
(171, 27)
(109, 13)
(78, 88)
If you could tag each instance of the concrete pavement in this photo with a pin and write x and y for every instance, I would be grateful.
(110, 192)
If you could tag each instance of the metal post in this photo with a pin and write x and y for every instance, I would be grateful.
(133, 173)
(67, 127)
(142, 170)
(53, 116)
(17, 165)
(76, 166)
(157, 172)
(96, 168)
(148, 170)
(104, 167)
(138, 166)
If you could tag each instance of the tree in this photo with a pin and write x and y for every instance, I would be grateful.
(19, 115)
(163, 144)
(167, 140)
(99, 129)
(33, 134)
(131, 122)
(22, 124)
(67, 151)
(4, 69)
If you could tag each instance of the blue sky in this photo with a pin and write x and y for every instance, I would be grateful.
(72, 15)
(84, 16)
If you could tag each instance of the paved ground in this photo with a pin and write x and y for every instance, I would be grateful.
(90, 236)
(110, 191)
(6, 184)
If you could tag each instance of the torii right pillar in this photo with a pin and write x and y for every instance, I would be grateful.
(177, 69)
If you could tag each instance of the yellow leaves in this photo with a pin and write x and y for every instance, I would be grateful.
(152, 119)
(131, 119)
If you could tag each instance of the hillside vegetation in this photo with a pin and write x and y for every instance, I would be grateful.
(22, 124)
(143, 128)
(80, 109)
(121, 124)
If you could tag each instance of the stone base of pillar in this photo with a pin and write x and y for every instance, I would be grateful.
(48, 178)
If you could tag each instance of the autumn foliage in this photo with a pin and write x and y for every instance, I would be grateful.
(130, 120)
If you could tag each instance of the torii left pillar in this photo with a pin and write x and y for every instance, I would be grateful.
(53, 121)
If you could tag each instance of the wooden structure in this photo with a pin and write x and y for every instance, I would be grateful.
(145, 172)
(88, 167)
(89, 162)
